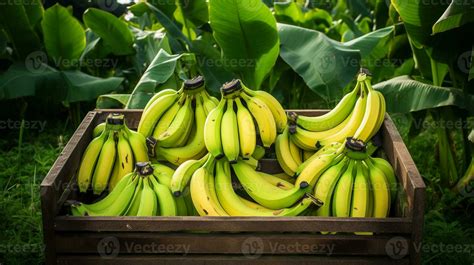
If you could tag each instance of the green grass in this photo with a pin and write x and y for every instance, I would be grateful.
(23, 169)
(448, 216)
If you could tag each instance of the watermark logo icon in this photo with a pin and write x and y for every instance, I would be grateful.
(36, 62)
(397, 248)
(252, 247)
(108, 247)
(465, 61)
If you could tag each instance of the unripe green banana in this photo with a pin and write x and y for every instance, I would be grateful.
(333, 118)
(167, 118)
(324, 188)
(195, 148)
(158, 95)
(209, 104)
(259, 152)
(263, 192)
(135, 200)
(105, 165)
(154, 112)
(108, 200)
(148, 200)
(117, 208)
(361, 194)
(276, 181)
(182, 175)
(166, 202)
(178, 132)
(99, 129)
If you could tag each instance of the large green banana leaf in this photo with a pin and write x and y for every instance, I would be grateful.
(246, 32)
(196, 11)
(64, 37)
(21, 80)
(405, 95)
(459, 13)
(419, 17)
(326, 65)
(14, 20)
(158, 72)
(117, 38)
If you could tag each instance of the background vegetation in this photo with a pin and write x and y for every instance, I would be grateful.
(306, 53)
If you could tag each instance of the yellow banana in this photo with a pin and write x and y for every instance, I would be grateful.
(166, 202)
(261, 113)
(230, 133)
(124, 159)
(148, 201)
(177, 134)
(212, 131)
(89, 161)
(247, 132)
(283, 153)
(153, 114)
(105, 165)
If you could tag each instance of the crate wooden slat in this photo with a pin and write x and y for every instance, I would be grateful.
(226, 236)
(228, 260)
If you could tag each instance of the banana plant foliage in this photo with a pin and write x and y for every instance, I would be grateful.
(404, 95)
(326, 65)
(47, 82)
(247, 34)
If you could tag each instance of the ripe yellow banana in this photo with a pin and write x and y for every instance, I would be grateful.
(341, 201)
(275, 107)
(247, 132)
(138, 144)
(261, 113)
(212, 130)
(380, 190)
(89, 161)
(230, 133)
(124, 159)
(167, 118)
(158, 95)
(283, 153)
(201, 196)
(368, 126)
(361, 194)
(105, 165)
(389, 173)
(182, 175)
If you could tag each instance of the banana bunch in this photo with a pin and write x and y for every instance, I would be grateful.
(111, 155)
(144, 192)
(214, 193)
(231, 128)
(173, 121)
(360, 115)
(356, 186)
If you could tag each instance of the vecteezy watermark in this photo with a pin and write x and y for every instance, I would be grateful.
(227, 63)
(21, 248)
(37, 62)
(110, 247)
(21, 2)
(465, 62)
(398, 247)
(252, 247)
(18, 124)
(468, 190)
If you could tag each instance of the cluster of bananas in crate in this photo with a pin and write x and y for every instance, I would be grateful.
(215, 146)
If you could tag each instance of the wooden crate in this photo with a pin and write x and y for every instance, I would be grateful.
(228, 240)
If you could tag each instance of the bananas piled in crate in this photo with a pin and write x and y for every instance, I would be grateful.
(216, 147)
